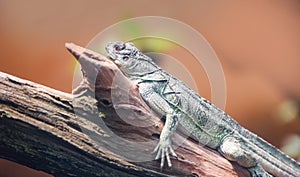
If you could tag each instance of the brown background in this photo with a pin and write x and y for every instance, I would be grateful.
(257, 41)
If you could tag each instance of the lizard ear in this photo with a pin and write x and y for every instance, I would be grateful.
(125, 58)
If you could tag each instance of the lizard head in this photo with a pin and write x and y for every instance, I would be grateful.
(122, 53)
(128, 58)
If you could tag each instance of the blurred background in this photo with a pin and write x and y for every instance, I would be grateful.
(257, 42)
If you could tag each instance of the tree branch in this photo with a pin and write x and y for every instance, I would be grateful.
(103, 129)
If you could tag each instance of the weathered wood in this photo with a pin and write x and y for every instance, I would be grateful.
(103, 129)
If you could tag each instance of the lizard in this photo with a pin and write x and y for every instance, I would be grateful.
(208, 124)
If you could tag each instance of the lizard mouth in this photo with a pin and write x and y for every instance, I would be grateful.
(114, 60)
(111, 58)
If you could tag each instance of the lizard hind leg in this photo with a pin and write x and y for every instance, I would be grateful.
(231, 149)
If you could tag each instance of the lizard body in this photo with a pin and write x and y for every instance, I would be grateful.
(207, 123)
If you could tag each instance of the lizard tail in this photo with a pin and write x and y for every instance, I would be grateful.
(272, 160)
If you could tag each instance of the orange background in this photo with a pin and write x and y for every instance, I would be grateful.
(257, 42)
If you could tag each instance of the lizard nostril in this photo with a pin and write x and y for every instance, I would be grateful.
(119, 47)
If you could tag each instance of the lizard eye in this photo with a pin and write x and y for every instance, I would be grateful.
(125, 58)
(119, 47)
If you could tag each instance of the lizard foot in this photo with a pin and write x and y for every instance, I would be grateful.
(163, 149)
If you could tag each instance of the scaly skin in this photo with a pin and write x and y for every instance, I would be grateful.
(207, 123)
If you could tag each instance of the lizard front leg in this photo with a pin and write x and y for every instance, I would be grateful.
(159, 105)
(164, 146)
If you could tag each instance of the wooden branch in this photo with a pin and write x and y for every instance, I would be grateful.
(103, 129)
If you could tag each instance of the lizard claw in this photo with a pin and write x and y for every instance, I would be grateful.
(163, 149)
